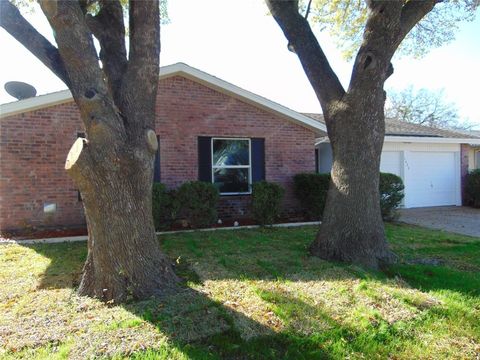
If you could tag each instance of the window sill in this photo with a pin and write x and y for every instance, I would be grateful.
(235, 194)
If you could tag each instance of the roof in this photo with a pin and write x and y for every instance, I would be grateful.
(397, 130)
(181, 69)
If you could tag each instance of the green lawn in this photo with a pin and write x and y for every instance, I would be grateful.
(252, 294)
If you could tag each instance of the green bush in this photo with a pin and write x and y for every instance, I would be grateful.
(266, 202)
(311, 190)
(165, 206)
(198, 203)
(391, 194)
(472, 188)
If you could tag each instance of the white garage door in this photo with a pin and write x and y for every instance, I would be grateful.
(432, 179)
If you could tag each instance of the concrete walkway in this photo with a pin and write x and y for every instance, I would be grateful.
(456, 219)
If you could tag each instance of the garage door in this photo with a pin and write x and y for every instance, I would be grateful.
(432, 179)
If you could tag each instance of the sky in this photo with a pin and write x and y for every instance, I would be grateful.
(237, 41)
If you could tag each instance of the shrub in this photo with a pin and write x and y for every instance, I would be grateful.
(266, 202)
(472, 188)
(311, 191)
(198, 203)
(391, 194)
(165, 206)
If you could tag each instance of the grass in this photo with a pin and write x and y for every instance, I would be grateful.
(252, 294)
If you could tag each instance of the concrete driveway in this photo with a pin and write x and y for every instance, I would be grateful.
(456, 219)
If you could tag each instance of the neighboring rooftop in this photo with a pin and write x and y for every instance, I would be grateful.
(395, 127)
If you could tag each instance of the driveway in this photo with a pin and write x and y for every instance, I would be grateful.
(456, 219)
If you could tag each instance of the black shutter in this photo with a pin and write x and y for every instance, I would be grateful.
(156, 168)
(316, 160)
(205, 158)
(258, 159)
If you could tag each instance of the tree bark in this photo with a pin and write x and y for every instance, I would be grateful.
(113, 168)
(124, 260)
(352, 229)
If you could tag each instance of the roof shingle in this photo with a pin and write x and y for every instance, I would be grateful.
(395, 127)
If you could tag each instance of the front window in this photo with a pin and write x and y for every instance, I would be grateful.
(477, 159)
(231, 170)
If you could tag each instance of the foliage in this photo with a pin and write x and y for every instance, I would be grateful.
(165, 206)
(93, 7)
(266, 202)
(391, 195)
(198, 201)
(472, 188)
(423, 107)
(311, 190)
(260, 296)
(345, 21)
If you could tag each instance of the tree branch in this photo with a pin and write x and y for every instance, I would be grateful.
(413, 11)
(88, 86)
(301, 38)
(17, 26)
(372, 64)
(141, 80)
(108, 27)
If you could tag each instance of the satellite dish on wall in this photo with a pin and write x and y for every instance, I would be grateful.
(20, 90)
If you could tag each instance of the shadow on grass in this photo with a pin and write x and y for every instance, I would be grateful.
(201, 327)
(194, 324)
(266, 254)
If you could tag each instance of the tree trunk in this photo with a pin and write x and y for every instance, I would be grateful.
(352, 228)
(124, 260)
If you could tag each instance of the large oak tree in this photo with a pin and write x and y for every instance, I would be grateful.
(352, 229)
(115, 91)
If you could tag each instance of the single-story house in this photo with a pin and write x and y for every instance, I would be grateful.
(200, 118)
(431, 162)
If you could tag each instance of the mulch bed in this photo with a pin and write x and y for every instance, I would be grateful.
(45, 233)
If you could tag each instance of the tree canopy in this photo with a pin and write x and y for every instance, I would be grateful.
(424, 107)
(345, 21)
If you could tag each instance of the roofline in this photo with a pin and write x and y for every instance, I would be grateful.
(188, 72)
(432, 139)
(239, 93)
(416, 139)
(35, 103)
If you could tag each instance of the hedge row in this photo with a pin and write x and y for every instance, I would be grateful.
(311, 191)
(196, 201)
(472, 188)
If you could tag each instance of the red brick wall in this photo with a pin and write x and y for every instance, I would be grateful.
(186, 110)
(33, 149)
(464, 149)
(34, 145)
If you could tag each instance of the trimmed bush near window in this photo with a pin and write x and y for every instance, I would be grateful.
(472, 188)
(311, 190)
(391, 195)
(198, 201)
(266, 202)
(165, 206)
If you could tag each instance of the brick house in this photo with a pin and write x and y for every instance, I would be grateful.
(211, 130)
(208, 130)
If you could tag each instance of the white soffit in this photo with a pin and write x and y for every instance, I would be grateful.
(35, 103)
(419, 139)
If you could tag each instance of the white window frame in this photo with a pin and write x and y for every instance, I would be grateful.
(249, 166)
